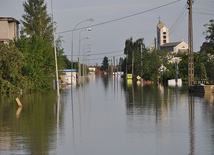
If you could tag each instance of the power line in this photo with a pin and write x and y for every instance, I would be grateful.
(108, 52)
(203, 13)
(206, 4)
(204, 7)
(108, 57)
(178, 20)
(117, 19)
(101, 53)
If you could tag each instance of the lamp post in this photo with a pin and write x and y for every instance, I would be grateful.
(88, 47)
(79, 65)
(86, 62)
(72, 44)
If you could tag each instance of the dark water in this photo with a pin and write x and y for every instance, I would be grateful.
(107, 116)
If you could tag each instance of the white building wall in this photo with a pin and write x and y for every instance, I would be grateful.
(162, 35)
(181, 46)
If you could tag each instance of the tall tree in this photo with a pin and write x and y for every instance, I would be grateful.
(209, 36)
(208, 49)
(36, 20)
(209, 31)
(37, 45)
(128, 51)
(151, 64)
(39, 66)
(133, 52)
(105, 64)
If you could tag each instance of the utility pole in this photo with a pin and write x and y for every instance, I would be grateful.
(190, 50)
(132, 63)
(55, 53)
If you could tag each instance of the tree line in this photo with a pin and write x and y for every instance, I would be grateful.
(147, 63)
(27, 64)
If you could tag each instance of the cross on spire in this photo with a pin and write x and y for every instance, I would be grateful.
(159, 18)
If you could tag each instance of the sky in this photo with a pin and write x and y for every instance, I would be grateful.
(115, 21)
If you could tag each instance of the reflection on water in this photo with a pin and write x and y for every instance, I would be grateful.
(107, 115)
(191, 125)
(27, 129)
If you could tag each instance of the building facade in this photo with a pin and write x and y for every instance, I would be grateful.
(9, 29)
(162, 35)
(164, 44)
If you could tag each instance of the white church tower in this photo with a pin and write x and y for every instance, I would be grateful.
(162, 35)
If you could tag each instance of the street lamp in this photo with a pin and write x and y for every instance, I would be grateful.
(72, 44)
(84, 55)
(88, 47)
(79, 65)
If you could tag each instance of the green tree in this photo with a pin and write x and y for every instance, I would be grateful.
(105, 64)
(210, 71)
(133, 52)
(208, 49)
(36, 20)
(151, 64)
(36, 44)
(209, 31)
(169, 73)
(128, 51)
(39, 68)
(11, 62)
(199, 66)
(183, 67)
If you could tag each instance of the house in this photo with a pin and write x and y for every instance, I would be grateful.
(9, 29)
(69, 76)
(164, 44)
(175, 47)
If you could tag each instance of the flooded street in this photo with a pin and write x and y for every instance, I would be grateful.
(107, 116)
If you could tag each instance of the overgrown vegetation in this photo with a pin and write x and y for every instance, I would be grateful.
(28, 64)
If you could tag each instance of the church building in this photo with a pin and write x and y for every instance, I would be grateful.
(164, 44)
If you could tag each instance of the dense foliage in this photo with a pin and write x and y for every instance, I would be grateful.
(11, 63)
(28, 64)
(105, 64)
(36, 20)
(39, 68)
(207, 49)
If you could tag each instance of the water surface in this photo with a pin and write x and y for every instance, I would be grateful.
(105, 115)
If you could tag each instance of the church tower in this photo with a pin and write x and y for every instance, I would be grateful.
(162, 34)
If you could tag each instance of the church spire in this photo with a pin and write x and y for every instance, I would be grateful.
(159, 19)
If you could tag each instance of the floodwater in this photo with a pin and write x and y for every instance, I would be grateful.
(107, 116)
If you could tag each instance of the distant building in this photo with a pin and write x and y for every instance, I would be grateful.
(163, 42)
(162, 35)
(92, 69)
(69, 76)
(9, 29)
